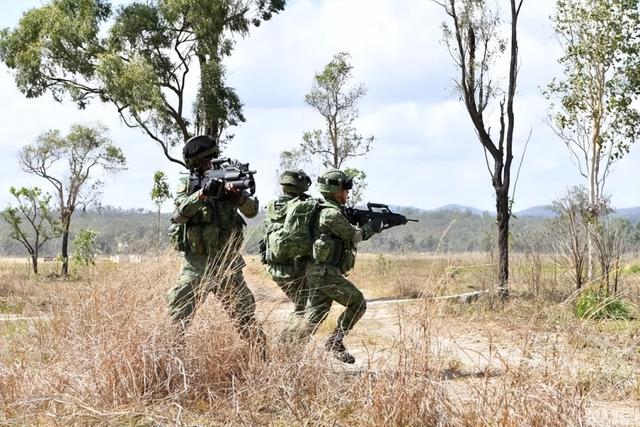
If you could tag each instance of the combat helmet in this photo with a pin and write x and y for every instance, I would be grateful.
(295, 181)
(334, 180)
(198, 148)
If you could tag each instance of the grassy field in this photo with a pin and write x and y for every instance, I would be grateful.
(98, 350)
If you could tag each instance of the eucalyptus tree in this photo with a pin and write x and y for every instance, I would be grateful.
(31, 222)
(69, 163)
(336, 99)
(594, 103)
(138, 58)
(473, 37)
(160, 193)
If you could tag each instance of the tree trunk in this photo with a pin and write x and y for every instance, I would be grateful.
(159, 237)
(66, 222)
(34, 263)
(502, 211)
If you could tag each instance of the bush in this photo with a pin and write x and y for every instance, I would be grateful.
(633, 269)
(598, 306)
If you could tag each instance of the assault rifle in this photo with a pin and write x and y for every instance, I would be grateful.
(232, 172)
(377, 211)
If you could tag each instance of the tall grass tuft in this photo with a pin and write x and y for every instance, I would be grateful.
(109, 356)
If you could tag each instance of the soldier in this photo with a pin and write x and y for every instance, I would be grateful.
(209, 232)
(334, 253)
(290, 275)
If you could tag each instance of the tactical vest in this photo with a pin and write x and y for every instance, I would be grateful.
(330, 249)
(215, 226)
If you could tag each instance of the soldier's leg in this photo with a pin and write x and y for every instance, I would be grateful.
(341, 290)
(318, 306)
(184, 296)
(240, 304)
(296, 289)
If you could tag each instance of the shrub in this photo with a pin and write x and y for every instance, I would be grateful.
(592, 304)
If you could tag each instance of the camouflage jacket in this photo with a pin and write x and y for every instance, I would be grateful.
(211, 225)
(337, 239)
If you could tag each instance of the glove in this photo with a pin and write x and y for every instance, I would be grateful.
(375, 225)
(213, 188)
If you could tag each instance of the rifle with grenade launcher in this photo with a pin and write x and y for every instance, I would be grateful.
(232, 173)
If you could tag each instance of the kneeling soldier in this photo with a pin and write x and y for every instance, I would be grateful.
(334, 253)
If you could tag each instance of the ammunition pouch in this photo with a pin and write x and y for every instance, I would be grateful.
(178, 237)
(335, 252)
(348, 259)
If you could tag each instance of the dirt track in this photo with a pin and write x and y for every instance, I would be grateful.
(467, 353)
(470, 352)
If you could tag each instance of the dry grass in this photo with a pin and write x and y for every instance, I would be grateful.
(108, 356)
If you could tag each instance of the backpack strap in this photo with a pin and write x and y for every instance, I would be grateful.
(313, 223)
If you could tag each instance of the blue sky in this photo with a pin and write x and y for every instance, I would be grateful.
(425, 154)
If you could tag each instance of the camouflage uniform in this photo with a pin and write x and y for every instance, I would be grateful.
(289, 277)
(334, 255)
(212, 262)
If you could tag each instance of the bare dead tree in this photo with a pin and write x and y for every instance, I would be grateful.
(473, 39)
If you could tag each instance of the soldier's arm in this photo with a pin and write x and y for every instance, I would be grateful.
(186, 205)
(250, 207)
(338, 224)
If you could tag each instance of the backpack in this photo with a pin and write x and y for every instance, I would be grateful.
(291, 232)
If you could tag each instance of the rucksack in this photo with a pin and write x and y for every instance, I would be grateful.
(290, 234)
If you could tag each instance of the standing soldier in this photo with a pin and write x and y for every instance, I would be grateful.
(209, 232)
(334, 254)
(289, 274)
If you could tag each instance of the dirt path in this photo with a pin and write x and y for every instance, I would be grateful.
(464, 351)
(467, 351)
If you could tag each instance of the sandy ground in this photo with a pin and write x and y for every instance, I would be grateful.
(474, 351)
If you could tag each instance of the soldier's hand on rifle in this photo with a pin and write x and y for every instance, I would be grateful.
(230, 188)
(375, 225)
(234, 193)
(213, 188)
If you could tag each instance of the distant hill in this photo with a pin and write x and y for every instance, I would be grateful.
(543, 211)
(631, 214)
(460, 208)
(451, 228)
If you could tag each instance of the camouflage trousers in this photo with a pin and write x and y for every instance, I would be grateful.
(326, 285)
(297, 290)
(199, 276)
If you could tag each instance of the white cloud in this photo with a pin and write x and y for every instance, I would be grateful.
(426, 153)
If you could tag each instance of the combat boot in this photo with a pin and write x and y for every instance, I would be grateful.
(336, 346)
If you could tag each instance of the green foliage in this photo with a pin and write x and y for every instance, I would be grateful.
(31, 223)
(68, 164)
(336, 101)
(633, 269)
(137, 58)
(356, 196)
(596, 305)
(84, 247)
(592, 104)
(160, 192)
